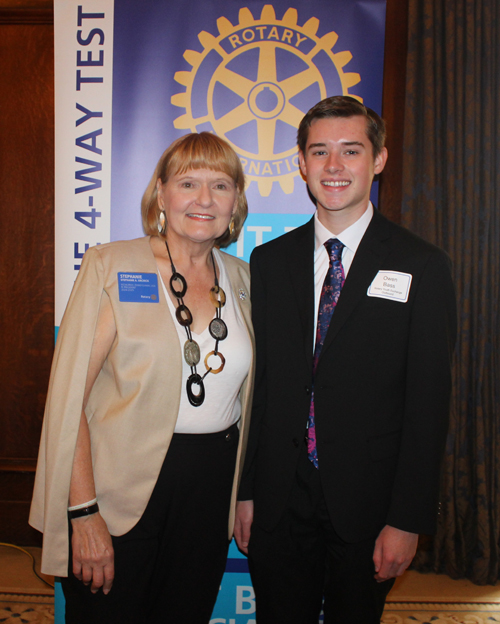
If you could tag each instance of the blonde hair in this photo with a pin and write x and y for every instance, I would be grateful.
(196, 151)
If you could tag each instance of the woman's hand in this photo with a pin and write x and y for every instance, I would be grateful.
(93, 556)
(243, 524)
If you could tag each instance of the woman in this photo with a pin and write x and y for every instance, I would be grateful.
(148, 403)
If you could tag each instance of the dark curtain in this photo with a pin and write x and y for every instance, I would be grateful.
(451, 197)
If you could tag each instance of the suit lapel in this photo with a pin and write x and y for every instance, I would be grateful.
(369, 258)
(300, 265)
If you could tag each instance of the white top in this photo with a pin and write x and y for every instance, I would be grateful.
(350, 237)
(222, 407)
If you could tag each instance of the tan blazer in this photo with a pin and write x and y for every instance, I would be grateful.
(133, 405)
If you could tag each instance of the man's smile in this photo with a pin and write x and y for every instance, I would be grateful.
(335, 183)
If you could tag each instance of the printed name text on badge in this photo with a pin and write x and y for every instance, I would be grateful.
(138, 287)
(391, 285)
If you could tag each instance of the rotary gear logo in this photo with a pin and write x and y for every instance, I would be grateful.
(253, 84)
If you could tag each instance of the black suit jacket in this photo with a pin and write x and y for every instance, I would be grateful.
(382, 384)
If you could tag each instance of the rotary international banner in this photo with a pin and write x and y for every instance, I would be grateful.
(133, 75)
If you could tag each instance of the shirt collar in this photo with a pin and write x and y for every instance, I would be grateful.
(350, 237)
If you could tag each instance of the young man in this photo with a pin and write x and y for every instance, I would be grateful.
(355, 324)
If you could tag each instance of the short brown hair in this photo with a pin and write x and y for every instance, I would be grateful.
(344, 106)
(196, 151)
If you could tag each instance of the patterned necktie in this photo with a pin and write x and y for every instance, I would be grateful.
(330, 294)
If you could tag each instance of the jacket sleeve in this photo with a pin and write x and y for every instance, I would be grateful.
(415, 493)
(63, 412)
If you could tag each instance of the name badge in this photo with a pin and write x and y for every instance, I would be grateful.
(391, 285)
(138, 287)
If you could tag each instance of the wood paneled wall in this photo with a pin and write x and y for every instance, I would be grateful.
(27, 251)
(27, 231)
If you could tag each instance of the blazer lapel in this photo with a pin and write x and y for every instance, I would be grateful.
(300, 264)
(368, 260)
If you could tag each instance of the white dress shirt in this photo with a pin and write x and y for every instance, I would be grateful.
(350, 237)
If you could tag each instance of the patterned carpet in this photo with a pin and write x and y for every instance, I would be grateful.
(437, 599)
(415, 599)
(17, 609)
(21, 608)
(40, 610)
(441, 613)
(25, 598)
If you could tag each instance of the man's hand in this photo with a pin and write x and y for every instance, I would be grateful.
(243, 524)
(394, 551)
(93, 555)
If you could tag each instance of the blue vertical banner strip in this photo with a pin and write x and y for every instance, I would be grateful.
(59, 604)
(247, 71)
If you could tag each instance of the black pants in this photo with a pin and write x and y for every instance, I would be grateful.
(168, 568)
(303, 560)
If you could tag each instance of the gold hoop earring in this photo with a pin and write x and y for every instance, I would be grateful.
(162, 222)
(231, 226)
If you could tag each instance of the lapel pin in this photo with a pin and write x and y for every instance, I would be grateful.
(242, 294)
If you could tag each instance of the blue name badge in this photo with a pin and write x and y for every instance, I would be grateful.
(138, 287)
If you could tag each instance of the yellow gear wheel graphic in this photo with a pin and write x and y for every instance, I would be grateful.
(253, 84)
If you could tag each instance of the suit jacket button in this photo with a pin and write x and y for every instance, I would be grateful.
(295, 442)
(308, 390)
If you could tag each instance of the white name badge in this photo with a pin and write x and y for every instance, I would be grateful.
(391, 285)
